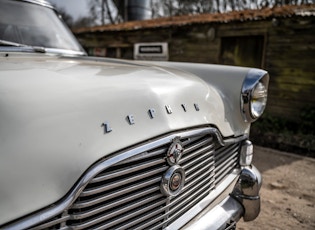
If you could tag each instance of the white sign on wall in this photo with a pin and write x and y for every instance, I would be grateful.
(154, 51)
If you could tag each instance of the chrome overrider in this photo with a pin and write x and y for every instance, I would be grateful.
(246, 191)
(243, 201)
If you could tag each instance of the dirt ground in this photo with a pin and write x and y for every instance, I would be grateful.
(288, 191)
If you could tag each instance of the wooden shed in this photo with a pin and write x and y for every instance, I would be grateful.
(280, 40)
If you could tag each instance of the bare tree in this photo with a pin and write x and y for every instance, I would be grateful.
(105, 11)
(64, 15)
(83, 22)
(114, 11)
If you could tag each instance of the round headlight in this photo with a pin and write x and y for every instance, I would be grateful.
(254, 94)
(258, 100)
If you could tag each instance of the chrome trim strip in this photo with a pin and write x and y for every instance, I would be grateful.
(53, 51)
(218, 218)
(65, 52)
(39, 2)
(75, 192)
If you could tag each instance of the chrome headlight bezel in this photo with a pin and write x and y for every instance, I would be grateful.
(254, 94)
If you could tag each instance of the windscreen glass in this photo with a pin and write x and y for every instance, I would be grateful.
(34, 25)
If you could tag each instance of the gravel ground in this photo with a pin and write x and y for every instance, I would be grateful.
(288, 191)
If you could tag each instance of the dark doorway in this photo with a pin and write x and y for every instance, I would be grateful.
(242, 51)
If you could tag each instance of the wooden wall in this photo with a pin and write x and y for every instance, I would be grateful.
(287, 53)
(290, 59)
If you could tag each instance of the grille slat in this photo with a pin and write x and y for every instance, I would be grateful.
(122, 210)
(121, 219)
(226, 161)
(117, 193)
(200, 173)
(188, 193)
(204, 176)
(191, 202)
(197, 153)
(121, 182)
(223, 175)
(52, 223)
(223, 153)
(224, 168)
(156, 221)
(208, 159)
(115, 203)
(127, 194)
(122, 172)
(199, 144)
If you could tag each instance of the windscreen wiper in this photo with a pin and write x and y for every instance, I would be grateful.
(37, 49)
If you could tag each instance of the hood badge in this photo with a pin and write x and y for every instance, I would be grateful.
(152, 113)
(173, 179)
(175, 152)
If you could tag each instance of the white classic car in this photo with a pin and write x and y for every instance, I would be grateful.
(96, 143)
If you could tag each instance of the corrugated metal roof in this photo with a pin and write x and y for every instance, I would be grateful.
(245, 15)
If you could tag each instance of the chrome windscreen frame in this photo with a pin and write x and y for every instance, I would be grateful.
(40, 2)
(253, 77)
(64, 204)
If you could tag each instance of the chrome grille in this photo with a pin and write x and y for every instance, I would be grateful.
(226, 159)
(122, 195)
(198, 163)
(127, 193)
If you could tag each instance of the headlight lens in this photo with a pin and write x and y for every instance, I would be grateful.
(258, 100)
(254, 94)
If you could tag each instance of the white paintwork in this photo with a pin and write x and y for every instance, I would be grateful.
(52, 109)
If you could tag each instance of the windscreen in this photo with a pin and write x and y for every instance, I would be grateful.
(34, 25)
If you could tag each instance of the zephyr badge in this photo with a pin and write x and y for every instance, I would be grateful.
(173, 179)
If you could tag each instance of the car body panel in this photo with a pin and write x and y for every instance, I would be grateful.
(53, 109)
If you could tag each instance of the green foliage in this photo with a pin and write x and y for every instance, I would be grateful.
(305, 125)
(308, 120)
(289, 135)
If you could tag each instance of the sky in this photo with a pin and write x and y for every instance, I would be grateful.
(75, 8)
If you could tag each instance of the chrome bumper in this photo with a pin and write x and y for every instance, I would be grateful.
(244, 201)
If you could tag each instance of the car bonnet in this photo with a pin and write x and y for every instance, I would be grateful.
(61, 115)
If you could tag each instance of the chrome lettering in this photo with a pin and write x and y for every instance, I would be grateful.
(131, 119)
(196, 107)
(151, 113)
(107, 128)
(168, 109)
(184, 107)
